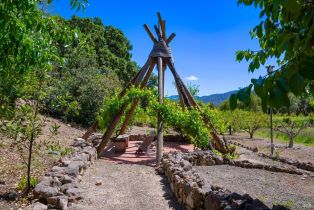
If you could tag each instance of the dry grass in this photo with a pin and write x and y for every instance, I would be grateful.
(12, 166)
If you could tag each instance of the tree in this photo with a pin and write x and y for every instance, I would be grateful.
(231, 118)
(286, 34)
(193, 89)
(27, 51)
(111, 47)
(253, 121)
(247, 121)
(97, 66)
(292, 126)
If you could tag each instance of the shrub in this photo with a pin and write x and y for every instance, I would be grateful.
(188, 122)
(22, 183)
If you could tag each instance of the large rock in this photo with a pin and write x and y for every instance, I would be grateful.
(73, 169)
(59, 202)
(79, 142)
(74, 194)
(65, 161)
(65, 187)
(91, 151)
(44, 191)
(80, 157)
(46, 188)
(66, 179)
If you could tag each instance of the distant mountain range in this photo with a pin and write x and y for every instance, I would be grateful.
(215, 99)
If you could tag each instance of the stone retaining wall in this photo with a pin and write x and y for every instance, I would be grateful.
(187, 185)
(305, 166)
(301, 165)
(59, 188)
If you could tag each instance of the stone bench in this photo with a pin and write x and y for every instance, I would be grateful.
(121, 143)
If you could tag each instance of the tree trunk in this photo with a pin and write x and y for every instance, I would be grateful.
(290, 141)
(29, 162)
(251, 135)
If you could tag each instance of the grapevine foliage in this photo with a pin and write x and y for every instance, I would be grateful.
(189, 122)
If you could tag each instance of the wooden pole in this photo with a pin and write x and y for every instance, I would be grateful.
(179, 83)
(159, 121)
(91, 130)
(164, 36)
(110, 129)
(164, 65)
(115, 119)
(150, 34)
(180, 98)
(271, 131)
(219, 144)
(136, 101)
(170, 38)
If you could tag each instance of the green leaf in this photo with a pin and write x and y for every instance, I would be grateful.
(277, 98)
(296, 84)
(233, 101)
(259, 30)
(264, 103)
(292, 6)
(239, 55)
(244, 94)
(283, 84)
(258, 86)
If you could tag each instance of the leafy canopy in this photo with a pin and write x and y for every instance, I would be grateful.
(27, 44)
(285, 33)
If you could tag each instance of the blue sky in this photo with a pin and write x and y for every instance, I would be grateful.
(208, 35)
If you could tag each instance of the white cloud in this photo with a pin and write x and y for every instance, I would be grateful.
(191, 78)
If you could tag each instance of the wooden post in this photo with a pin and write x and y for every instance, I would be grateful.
(110, 129)
(91, 130)
(170, 38)
(180, 98)
(164, 65)
(150, 34)
(271, 131)
(159, 121)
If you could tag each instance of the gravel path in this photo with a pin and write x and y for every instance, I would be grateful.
(125, 186)
(254, 158)
(294, 191)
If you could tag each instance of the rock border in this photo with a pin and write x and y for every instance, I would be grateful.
(308, 166)
(59, 187)
(96, 138)
(187, 185)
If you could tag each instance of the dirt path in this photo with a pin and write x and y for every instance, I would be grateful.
(125, 186)
(292, 191)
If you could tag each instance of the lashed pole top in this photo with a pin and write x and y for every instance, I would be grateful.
(161, 44)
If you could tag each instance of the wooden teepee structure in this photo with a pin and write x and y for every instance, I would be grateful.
(161, 57)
